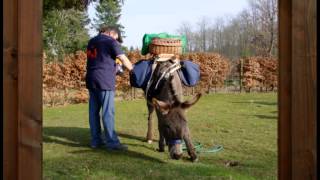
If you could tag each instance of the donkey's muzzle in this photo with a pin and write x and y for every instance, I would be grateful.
(176, 156)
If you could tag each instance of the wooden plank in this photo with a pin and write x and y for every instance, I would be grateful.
(30, 89)
(10, 89)
(304, 89)
(297, 90)
(284, 91)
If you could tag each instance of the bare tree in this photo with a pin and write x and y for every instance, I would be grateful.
(211, 39)
(265, 15)
(186, 29)
(252, 32)
(246, 31)
(203, 26)
(219, 26)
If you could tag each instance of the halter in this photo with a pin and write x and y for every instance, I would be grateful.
(174, 142)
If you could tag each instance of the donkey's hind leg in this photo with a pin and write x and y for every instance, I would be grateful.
(150, 123)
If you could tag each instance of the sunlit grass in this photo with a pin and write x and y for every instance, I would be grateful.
(244, 124)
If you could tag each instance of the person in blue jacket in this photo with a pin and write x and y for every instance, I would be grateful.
(102, 51)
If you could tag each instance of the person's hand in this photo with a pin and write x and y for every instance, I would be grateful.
(131, 70)
(126, 62)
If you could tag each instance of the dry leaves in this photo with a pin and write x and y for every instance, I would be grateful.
(259, 72)
(64, 83)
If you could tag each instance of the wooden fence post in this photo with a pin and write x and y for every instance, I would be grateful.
(22, 89)
(241, 74)
(297, 90)
(30, 89)
(10, 89)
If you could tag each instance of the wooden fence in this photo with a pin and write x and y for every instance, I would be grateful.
(22, 90)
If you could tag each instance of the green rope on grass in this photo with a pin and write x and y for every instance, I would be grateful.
(200, 149)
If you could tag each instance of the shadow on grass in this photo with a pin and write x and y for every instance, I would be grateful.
(74, 136)
(256, 102)
(87, 163)
(109, 168)
(138, 138)
(266, 117)
(79, 137)
(129, 136)
(107, 153)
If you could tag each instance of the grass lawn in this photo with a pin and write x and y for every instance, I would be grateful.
(244, 124)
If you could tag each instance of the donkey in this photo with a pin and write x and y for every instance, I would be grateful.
(164, 95)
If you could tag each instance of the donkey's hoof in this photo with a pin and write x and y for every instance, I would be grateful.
(149, 141)
(160, 150)
(194, 160)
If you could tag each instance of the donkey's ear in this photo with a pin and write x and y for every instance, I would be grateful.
(162, 106)
(191, 102)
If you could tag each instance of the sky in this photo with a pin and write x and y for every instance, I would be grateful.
(156, 16)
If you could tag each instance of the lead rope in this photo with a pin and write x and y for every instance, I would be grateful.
(200, 149)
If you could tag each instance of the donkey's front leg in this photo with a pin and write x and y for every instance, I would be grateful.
(161, 141)
(150, 123)
(189, 145)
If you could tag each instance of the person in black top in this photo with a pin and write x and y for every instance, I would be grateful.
(102, 50)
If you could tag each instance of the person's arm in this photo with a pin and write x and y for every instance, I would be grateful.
(125, 61)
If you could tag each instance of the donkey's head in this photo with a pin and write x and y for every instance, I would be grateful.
(174, 123)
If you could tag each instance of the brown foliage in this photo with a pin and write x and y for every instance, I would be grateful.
(60, 79)
(259, 72)
(64, 83)
(214, 69)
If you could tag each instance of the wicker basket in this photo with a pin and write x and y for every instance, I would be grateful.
(165, 46)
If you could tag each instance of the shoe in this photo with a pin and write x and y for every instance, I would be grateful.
(120, 147)
(95, 146)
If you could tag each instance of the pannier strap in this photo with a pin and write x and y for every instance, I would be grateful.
(168, 72)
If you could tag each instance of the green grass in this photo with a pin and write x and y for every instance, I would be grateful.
(245, 124)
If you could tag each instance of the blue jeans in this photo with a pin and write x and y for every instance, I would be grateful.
(102, 100)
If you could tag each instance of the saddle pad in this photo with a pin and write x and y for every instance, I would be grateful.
(141, 73)
(189, 73)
